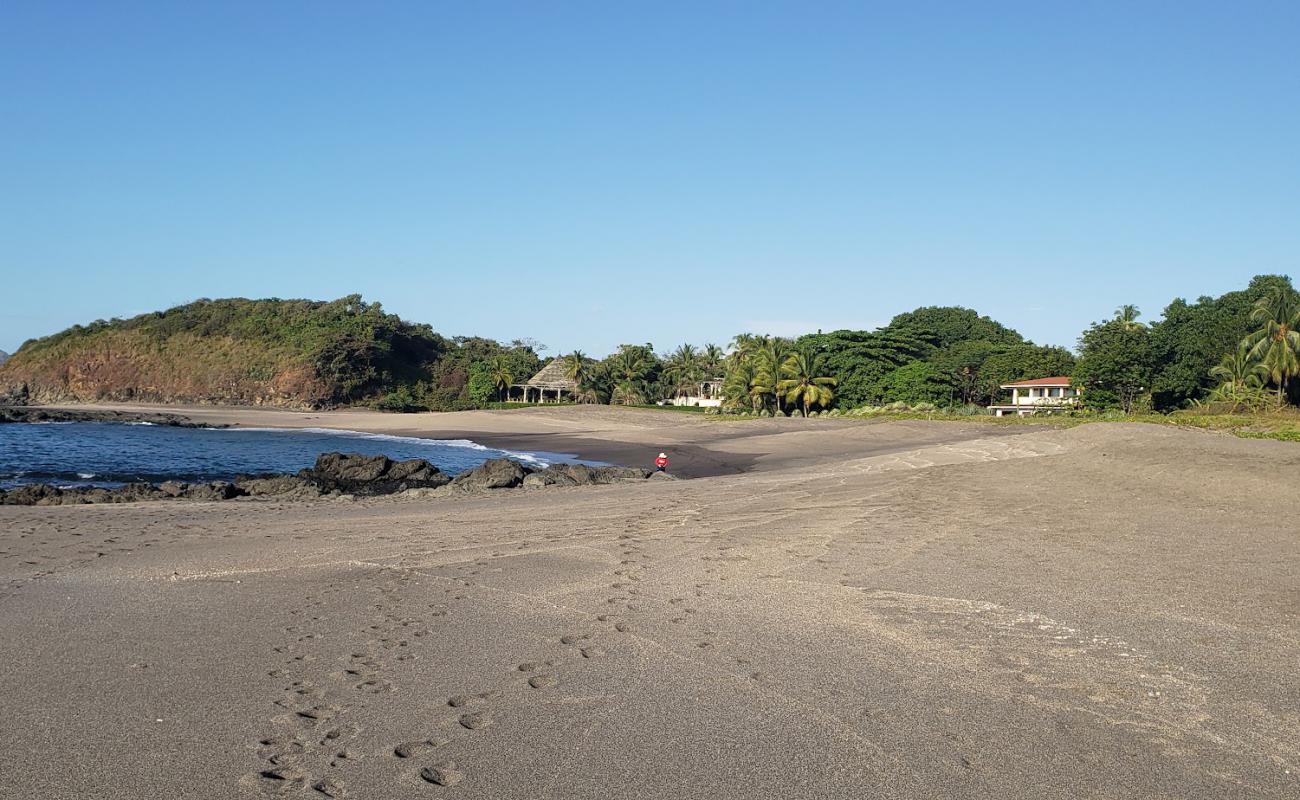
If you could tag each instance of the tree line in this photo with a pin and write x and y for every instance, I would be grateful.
(1241, 350)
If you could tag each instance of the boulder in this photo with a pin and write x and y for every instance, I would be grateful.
(352, 473)
(277, 486)
(173, 488)
(495, 473)
(620, 474)
(217, 490)
(30, 495)
(661, 476)
(350, 467)
(135, 493)
(415, 470)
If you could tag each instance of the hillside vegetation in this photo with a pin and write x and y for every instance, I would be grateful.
(295, 353)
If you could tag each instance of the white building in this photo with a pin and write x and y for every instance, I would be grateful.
(1043, 395)
(708, 394)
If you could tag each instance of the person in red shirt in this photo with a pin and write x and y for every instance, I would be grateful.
(661, 463)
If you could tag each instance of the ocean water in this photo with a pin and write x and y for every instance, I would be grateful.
(110, 454)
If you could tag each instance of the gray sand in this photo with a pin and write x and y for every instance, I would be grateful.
(901, 610)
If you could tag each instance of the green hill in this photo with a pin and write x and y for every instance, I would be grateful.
(294, 353)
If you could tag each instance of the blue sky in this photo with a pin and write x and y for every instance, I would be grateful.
(594, 173)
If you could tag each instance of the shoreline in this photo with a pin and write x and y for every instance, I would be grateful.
(526, 430)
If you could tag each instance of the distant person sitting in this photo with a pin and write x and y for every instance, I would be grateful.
(661, 463)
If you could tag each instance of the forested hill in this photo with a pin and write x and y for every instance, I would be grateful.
(295, 353)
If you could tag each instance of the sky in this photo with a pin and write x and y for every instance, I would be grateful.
(593, 173)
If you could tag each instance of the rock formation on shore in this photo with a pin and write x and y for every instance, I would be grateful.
(338, 475)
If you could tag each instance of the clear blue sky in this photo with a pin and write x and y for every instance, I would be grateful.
(604, 172)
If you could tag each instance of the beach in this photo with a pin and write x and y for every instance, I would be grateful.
(821, 608)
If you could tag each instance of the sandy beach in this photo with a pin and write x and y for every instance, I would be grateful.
(825, 609)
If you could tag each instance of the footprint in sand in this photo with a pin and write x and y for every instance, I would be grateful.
(329, 787)
(444, 773)
(477, 721)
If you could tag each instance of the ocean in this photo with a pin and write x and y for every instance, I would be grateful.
(111, 454)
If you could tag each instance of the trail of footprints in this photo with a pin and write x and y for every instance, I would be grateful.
(313, 744)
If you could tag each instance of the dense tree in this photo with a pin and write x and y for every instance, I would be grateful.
(632, 372)
(952, 324)
(1192, 337)
(1115, 365)
(860, 360)
(917, 382)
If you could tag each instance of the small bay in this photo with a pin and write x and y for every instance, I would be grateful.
(110, 454)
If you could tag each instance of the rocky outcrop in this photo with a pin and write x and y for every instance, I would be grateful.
(351, 473)
(582, 475)
(292, 487)
(495, 473)
(21, 413)
(338, 474)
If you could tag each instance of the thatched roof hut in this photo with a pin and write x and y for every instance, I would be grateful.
(554, 376)
(551, 385)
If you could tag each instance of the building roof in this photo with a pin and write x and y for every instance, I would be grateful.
(1060, 380)
(553, 376)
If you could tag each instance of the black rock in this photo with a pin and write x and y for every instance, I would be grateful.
(352, 473)
(495, 473)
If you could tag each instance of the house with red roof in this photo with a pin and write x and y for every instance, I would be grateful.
(1040, 395)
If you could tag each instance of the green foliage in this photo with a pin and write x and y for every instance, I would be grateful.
(804, 381)
(1116, 365)
(952, 324)
(633, 374)
(1275, 343)
(480, 388)
(1192, 337)
(860, 360)
(299, 352)
(917, 382)
(401, 400)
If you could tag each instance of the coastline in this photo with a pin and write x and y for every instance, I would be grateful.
(629, 437)
(609, 438)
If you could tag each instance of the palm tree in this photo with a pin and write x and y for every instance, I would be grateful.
(1276, 345)
(772, 353)
(711, 360)
(805, 383)
(629, 368)
(501, 374)
(1242, 377)
(1128, 316)
(737, 388)
(575, 366)
(743, 346)
(682, 370)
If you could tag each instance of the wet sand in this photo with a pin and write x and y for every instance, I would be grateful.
(832, 609)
